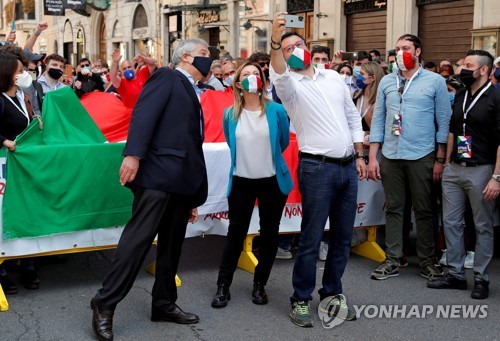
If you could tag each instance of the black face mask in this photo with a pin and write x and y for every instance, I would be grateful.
(202, 64)
(467, 77)
(55, 73)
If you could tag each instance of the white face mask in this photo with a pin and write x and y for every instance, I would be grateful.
(229, 80)
(347, 79)
(104, 79)
(24, 80)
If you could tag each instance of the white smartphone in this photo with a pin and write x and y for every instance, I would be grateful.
(294, 21)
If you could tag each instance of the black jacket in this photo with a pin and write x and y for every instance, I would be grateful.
(165, 134)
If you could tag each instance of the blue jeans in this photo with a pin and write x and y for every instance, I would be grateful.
(328, 190)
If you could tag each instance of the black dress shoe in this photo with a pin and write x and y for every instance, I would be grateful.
(259, 295)
(29, 279)
(447, 282)
(481, 290)
(221, 297)
(102, 321)
(176, 315)
(8, 285)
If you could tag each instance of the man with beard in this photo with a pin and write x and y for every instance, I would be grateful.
(330, 136)
(472, 174)
(411, 116)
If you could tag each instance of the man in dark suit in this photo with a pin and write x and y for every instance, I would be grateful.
(165, 168)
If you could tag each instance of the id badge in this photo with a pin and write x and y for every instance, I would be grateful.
(397, 125)
(464, 147)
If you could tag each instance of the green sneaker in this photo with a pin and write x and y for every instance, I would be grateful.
(300, 314)
(385, 270)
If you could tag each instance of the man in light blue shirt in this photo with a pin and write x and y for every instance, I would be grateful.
(411, 115)
(50, 80)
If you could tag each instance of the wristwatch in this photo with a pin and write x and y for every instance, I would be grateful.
(496, 177)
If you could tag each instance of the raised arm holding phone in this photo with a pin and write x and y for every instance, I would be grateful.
(330, 164)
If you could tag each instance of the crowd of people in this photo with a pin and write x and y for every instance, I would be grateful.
(430, 133)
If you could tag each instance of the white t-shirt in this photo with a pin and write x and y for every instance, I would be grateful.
(254, 158)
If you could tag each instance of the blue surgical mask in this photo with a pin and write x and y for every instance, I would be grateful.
(496, 74)
(356, 71)
(360, 82)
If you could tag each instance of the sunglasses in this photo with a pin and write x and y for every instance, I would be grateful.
(401, 88)
(84, 65)
(263, 64)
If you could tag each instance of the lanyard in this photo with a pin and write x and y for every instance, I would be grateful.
(473, 102)
(407, 86)
(23, 109)
(363, 114)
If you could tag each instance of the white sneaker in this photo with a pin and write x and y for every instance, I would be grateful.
(323, 251)
(443, 261)
(283, 254)
(469, 260)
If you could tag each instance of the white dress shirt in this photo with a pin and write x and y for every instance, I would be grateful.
(321, 110)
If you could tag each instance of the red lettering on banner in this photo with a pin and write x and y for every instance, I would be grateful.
(361, 207)
(217, 216)
(293, 211)
(2, 187)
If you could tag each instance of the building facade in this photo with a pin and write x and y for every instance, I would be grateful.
(448, 28)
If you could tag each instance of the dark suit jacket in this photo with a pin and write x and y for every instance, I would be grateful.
(165, 134)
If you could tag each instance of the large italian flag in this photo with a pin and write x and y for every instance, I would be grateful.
(64, 178)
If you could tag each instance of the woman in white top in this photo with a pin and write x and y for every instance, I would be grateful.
(257, 132)
(364, 98)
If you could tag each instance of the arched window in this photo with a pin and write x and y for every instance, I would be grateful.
(140, 17)
(117, 30)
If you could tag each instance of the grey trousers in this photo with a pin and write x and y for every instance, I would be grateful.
(459, 184)
(418, 174)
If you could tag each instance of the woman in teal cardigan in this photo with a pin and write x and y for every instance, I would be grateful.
(257, 132)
